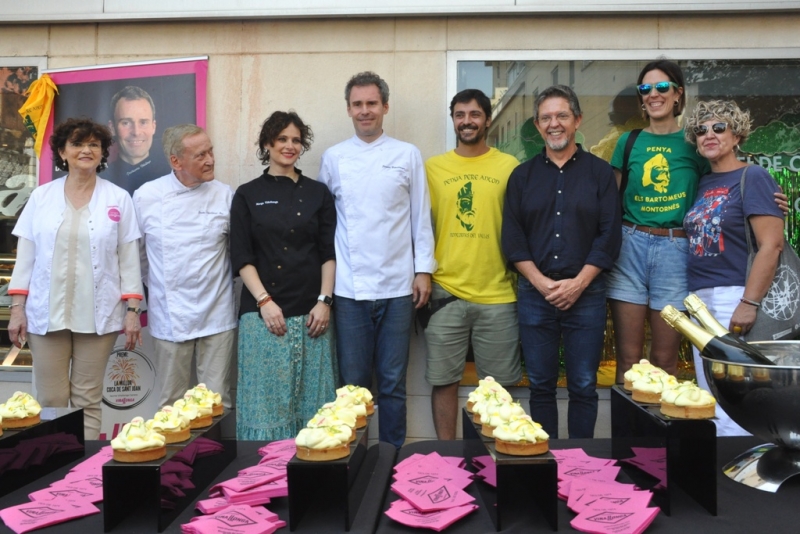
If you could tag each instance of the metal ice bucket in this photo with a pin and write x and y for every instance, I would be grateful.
(764, 400)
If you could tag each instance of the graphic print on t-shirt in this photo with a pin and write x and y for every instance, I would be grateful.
(466, 213)
(656, 173)
(706, 238)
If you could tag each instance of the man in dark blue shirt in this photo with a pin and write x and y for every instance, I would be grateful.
(561, 229)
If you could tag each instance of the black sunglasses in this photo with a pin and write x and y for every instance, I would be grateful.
(717, 128)
(662, 87)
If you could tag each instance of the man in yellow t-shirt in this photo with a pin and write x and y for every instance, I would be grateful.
(473, 296)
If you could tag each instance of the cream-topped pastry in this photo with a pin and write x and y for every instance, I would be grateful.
(20, 411)
(199, 415)
(323, 443)
(495, 414)
(489, 398)
(521, 436)
(138, 442)
(214, 398)
(360, 395)
(687, 400)
(486, 387)
(638, 370)
(348, 403)
(170, 424)
(648, 388)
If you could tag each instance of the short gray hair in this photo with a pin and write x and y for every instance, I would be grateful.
(726, 111)
(557, 91)
(174, 135)
(365, 78)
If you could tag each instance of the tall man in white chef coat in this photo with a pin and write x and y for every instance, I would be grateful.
(384, 250)
(184, 218)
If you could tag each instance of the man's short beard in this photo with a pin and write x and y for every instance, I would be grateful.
(474, 141)
(557, 146)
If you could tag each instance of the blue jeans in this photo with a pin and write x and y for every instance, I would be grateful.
(542, 327)
(375, 334)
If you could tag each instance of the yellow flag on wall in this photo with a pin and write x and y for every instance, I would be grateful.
(36, 110)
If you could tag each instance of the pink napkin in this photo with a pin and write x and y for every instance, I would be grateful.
(588, 493)
(258, 495)
(432, 497)
(567, 454)
(96, 461)
(35, 515)
(283, 447)
(430, 467)
(250, 478)
(564, 489)
(213, 505)
(232, 520)
(83, 488)
(404, 512)
(601, 473)
(625, 519)
(275, 461)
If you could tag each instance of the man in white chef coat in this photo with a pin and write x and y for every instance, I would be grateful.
(384, 250)
(184, 218)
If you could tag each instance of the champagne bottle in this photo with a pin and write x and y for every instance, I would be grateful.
(711, 346)
(698, 309)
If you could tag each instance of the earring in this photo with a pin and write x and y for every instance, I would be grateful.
(644, 108)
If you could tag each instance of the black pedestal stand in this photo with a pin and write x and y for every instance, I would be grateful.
(688, 446)
(522, 481)
(129, 488)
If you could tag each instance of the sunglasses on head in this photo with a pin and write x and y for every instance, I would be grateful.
(662, 87)
(717, 128)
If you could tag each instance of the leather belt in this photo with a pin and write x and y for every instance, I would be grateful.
(663, 232)
(558, 276)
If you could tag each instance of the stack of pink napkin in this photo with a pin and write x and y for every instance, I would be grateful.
(69, 498)
(432, 493)
(252, 487)
(604, 506)
(235, 519)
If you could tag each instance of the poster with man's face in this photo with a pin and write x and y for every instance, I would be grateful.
(136, 103)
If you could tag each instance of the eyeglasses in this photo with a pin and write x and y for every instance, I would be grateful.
(547, 119)
(662, 87)
(717, 128)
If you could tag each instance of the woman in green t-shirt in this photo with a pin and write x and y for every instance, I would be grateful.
(663, 172)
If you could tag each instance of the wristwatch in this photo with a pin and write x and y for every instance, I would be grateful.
(325, 299)
(137, 310)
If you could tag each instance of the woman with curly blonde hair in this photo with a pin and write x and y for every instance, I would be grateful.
(717, 266)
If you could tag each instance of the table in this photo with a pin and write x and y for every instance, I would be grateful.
(741, 509)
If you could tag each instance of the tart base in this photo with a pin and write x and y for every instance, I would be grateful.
(361, 421)
(487, 431)
(178, 436)
(688, 412)
(647, 397)
(201, 421)
(521, 448)
(370, 407)
(22, 422)
(322, 455)
(144, 455)
(469, 406)
(217, 410)
(628, 385)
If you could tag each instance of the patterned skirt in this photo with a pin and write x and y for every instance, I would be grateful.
(283, 381)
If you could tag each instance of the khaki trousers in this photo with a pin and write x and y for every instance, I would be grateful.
(68, 369)
(174, 365)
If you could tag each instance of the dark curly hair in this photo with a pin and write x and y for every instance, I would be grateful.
(78, 131)
(274, 125)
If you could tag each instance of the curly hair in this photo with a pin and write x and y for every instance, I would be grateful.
(726, 111)
(675, 75)
(78, 131)
(274, 125)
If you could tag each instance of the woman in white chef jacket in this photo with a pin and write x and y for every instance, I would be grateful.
(76, 283)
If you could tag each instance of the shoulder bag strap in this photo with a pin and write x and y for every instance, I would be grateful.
(746, 222)
(626, 155)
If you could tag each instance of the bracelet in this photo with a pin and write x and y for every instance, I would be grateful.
(263, 300)
(18, 304)
(750, 302)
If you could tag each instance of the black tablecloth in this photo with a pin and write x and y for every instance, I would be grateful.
(741, 509)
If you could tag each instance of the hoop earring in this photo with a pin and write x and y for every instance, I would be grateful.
(644, 108)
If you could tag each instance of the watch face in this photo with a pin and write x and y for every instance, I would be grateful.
(325, 299)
